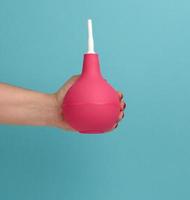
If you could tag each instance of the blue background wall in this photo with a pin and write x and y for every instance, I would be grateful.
(144, 48)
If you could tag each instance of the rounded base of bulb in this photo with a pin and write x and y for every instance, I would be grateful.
(92, 118)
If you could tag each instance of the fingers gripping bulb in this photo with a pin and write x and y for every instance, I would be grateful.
(90, 38)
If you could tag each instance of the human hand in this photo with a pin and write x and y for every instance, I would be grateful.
(60, 94)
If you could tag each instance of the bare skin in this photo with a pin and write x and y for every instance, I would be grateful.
(26, 107)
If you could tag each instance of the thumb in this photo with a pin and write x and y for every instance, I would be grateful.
(70, 82)
(63, 90)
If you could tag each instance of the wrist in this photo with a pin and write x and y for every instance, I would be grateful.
(53, 116)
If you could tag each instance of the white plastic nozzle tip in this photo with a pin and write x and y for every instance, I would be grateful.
(90, 37)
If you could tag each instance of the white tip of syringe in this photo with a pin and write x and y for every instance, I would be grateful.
(90, 37)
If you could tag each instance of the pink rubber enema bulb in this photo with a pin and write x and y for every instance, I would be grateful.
(91, 105)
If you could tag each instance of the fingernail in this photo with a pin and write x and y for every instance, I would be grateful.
(124, 105)
(123, 116)
(116, 126)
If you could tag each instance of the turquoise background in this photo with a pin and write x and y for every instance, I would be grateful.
(144, 48)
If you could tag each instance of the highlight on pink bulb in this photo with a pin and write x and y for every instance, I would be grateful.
(91, 105)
